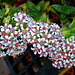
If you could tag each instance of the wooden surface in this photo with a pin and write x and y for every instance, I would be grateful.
(65, 70)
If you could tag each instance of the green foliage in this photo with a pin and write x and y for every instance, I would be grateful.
(46, 5)
(13, 10)
(72, 25)
(39, 11)
(25, 25)
(39, 6)
(2, 15)
(69, 32)
(34, 10)
(43, 17)
(7, 11)
(1, 5)
(36, 15)
(23, 7)
(13, 22)
(64, 12)
(30, 5)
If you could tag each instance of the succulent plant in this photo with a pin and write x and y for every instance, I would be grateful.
(69, 32)
(65, 12)
(39, 11)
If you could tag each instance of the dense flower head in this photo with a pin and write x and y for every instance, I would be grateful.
(11, 40)
(11, 37)
(37, 36)
(66, 57)
(22, 20)
(47, 40)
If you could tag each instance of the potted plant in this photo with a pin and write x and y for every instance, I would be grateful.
(49, 40)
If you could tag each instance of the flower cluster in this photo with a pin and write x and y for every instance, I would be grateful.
(47, 40)
(11, 41)
(22, 20)
(66, 57)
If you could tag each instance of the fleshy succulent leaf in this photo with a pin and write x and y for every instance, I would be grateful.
(39, 6)
(43, 17)
(72, 25)
(67, 34)
(46, 5)
(30, 5)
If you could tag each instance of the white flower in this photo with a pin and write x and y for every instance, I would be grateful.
(28, 40)
(34, 45)
(39, 46)
(43, 39)
(2, 29)
(40, 52)
(17, 24)
(49, 35)
(38, 35)
(6, 36)
(12, 35)
(10, 26)
(1, 37)
(16, 19)
(15, 32)
(46, 44)
(7, 31)
(15, 27)
(35, 52)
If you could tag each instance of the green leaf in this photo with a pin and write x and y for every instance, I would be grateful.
(4, 20)
(2, 13)
(58, 8)
(46, 5)
(73, 38)
(0, 21)
(72, 25)
(64, 21)
(62, 16)
(7, 10)
(31, 6)
(39, 6)
(72, 9)
(66, 10)
(64, 29)
(23, 7)
(53, 10)
(73, 30)
(43, 17)
(47, 20)
(67, 33)
(35, 15)
(72, 16)
(12, 11)
(13, 22)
